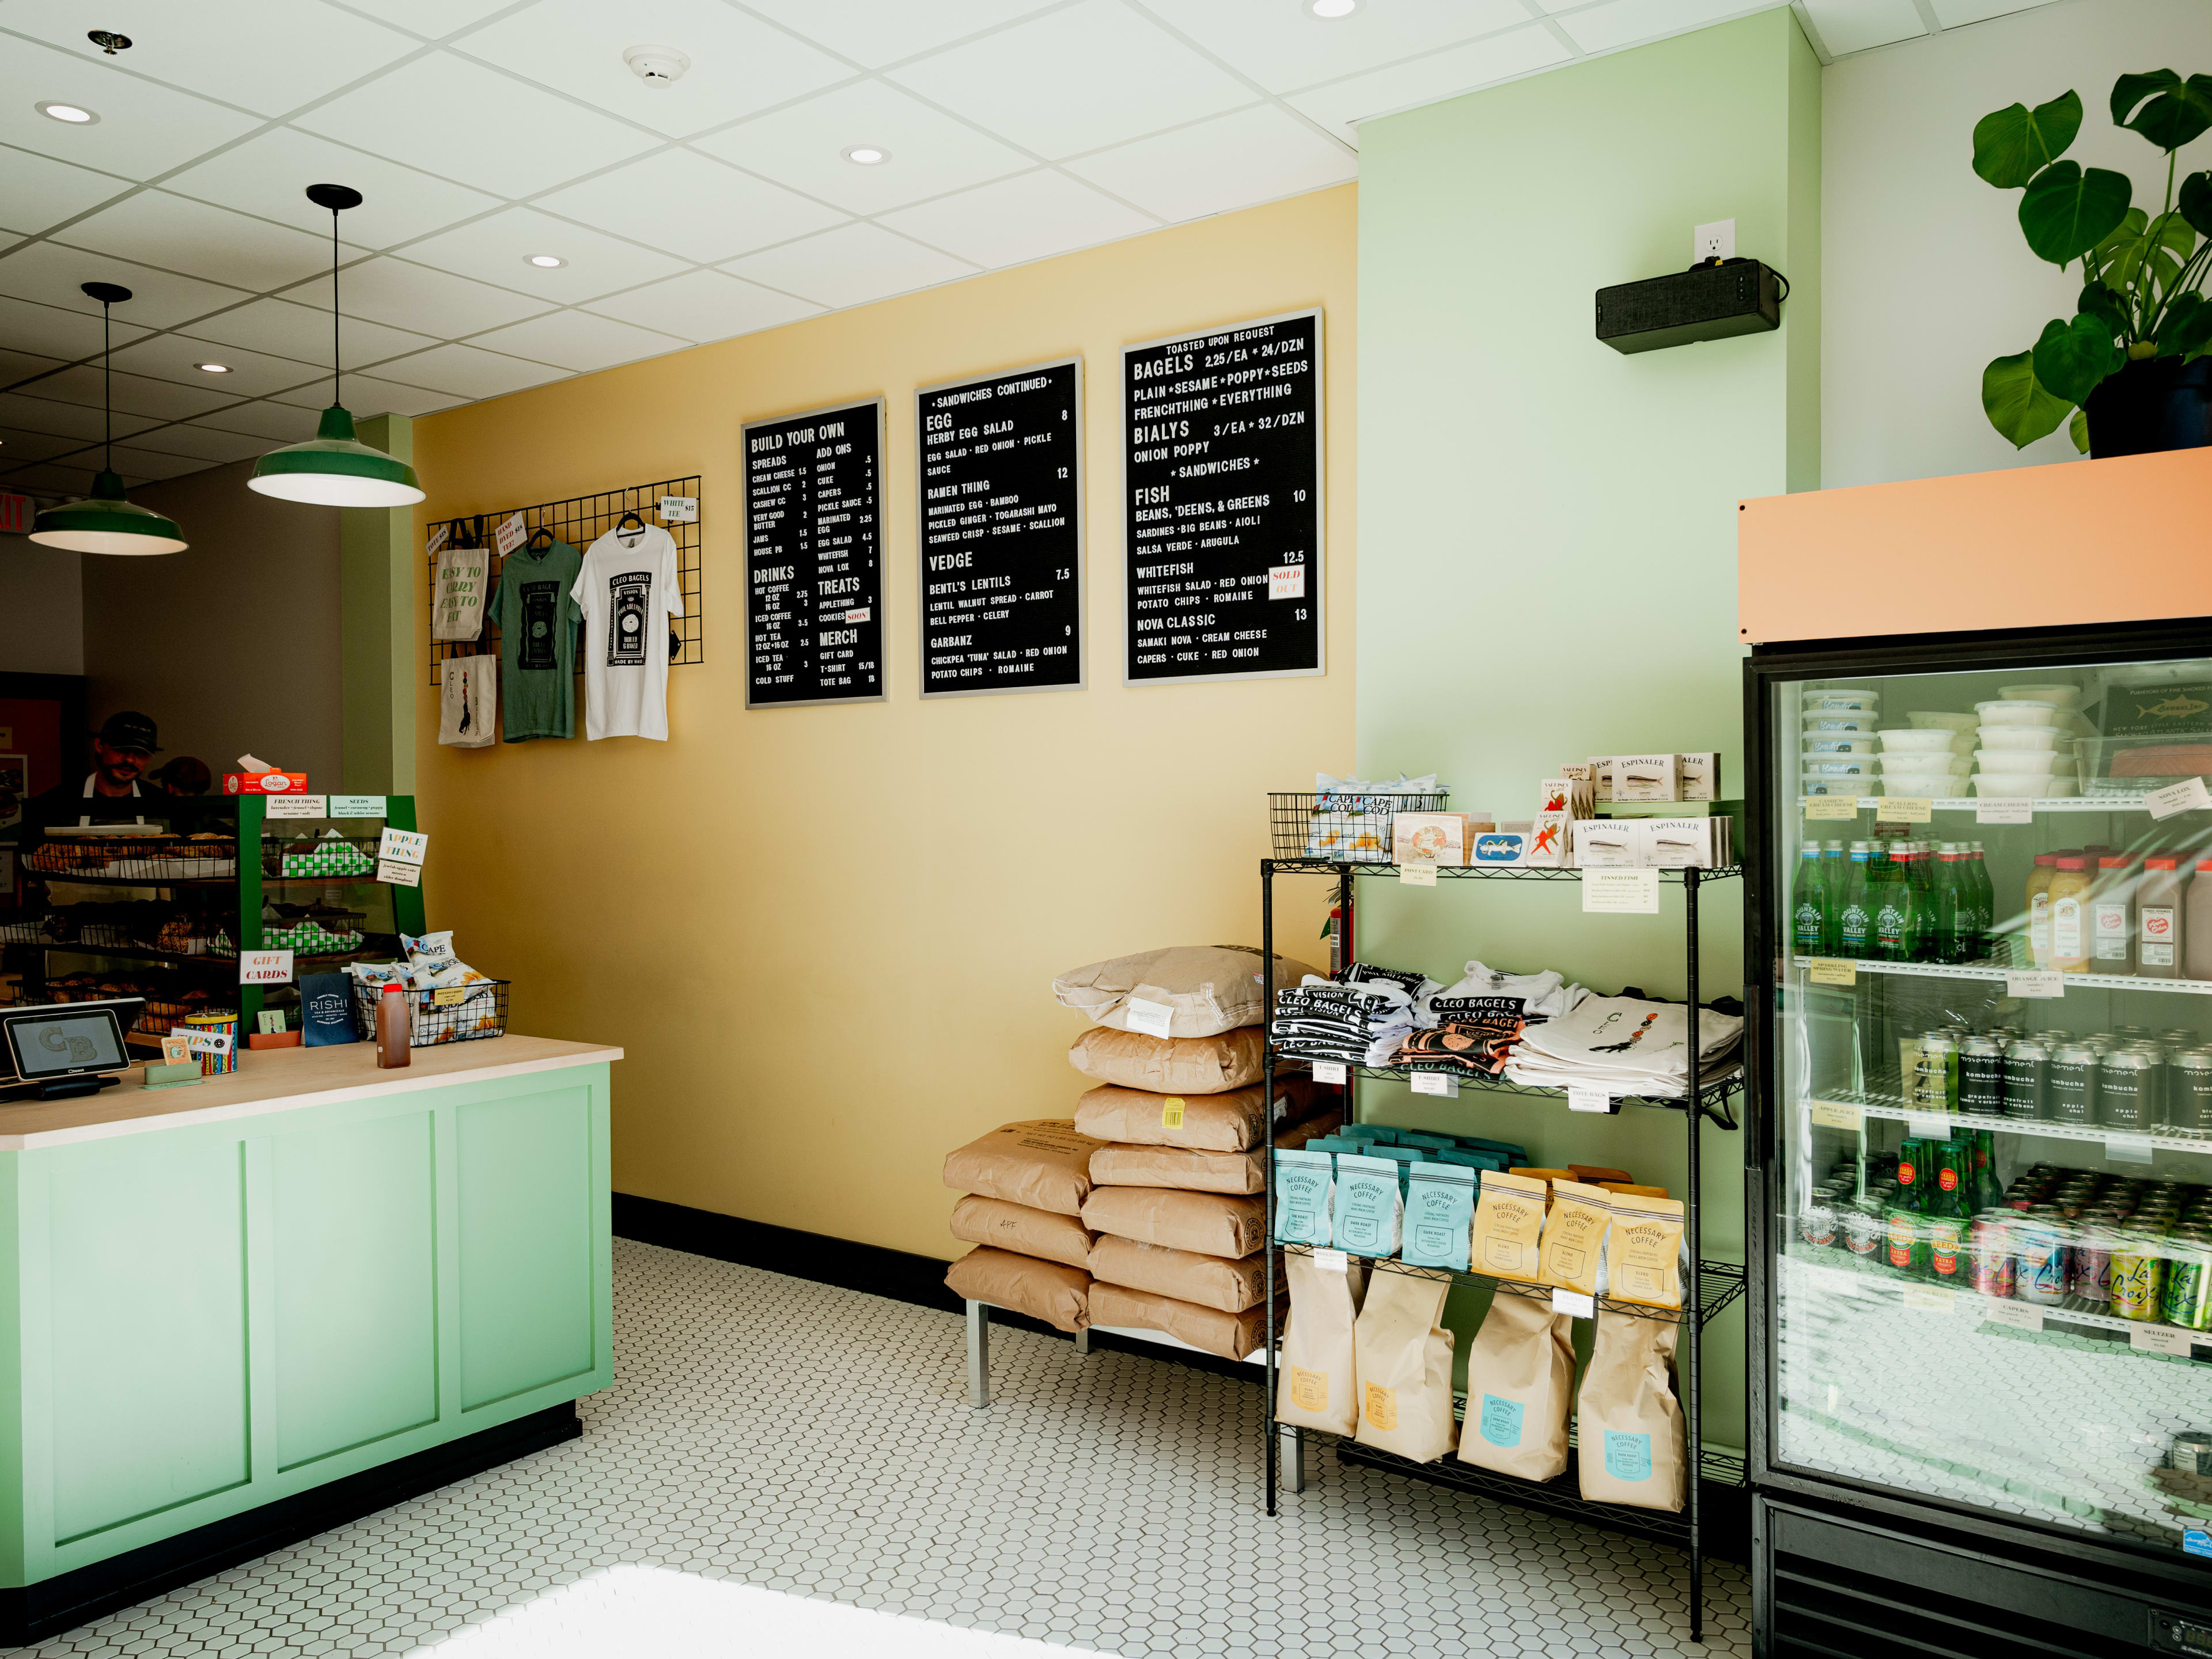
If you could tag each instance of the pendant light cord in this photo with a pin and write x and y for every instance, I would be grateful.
(107, 384)
(336, 396)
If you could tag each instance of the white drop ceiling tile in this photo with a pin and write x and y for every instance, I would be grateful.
(851, 266)
(462, 121)
(282, 423)
(802, 147)
(41, 191)
(878, 31)
(1031, 217)
(704, 305)
(282, 328)
(1956, 14)
(213, 243)
(177, 356)
(365, 395)
(392, 291)
(22, 365)
(579, 340)
(67, 481)
(467, 371)
(1134, 78)
(143, 465)
(268, 176)
(55, 276)
(49, 331)
(143, 130)
(1340, 104)
(498, 250)
(1231, 162)
(692, 205)
(207, 443)
(1623, 22)
(135, 394)
(1848, 25)
(740, 64)
(19, 446)
(40, 413)
(266, 55)
(1286, 46)
(437, 20)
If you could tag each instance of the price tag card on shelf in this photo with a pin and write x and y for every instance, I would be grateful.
(1436, 1083)
(1588, 1100)
(403, 846)
(2128, 1149)
(1929, 1126)
(2034, 983)
(395, 874)
(297, 806)
(1829, 809)
(2187, 796)
(1620, 892)
(1905, 809)
(1935, 1297)
(1330, 1071)
(2161, 1339)
(1834, 970)
(1832, 1115)
(438, 534)
(1994, 809)
(453, 996)
(270, 1021)
(1332, 1261)
(1574, 1304)
(1151, 1018)
(2019, 1315)
(1419, 872)
(679, 509)
(355, 806)
(509, 535)
(264, 967)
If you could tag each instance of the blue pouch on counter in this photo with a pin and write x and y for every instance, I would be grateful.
(1370, 1210)
(326, 1010)
(1439, 1216)
(1305, 1182)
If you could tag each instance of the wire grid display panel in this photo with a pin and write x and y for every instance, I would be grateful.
(580, 521)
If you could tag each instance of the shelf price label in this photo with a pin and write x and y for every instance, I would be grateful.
(2035, 982)
(1620, 892)
(1994, 808)
(1833, 970)
(1574, 1304)
(356, 806)
(1436, 1083)
(1588, 1100)
(1332, 1261)
(264, 967)
(1833, 1115)
(2187, 796)
(2161, 1339)
(296, 807)
(1822, 809)
(393, 873)
(1330, 1071)
(1418, 872)
(2128, 1149)
(1929, 1126)
(2020, 1315)
(1905, 809)
(1935, 1298)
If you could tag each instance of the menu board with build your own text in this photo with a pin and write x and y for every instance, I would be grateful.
(814, 557)
(1224, 526)
(1002, 531)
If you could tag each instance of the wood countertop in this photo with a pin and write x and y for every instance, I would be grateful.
(277, 1081)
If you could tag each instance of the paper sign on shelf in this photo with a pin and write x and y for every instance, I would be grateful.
(1833, 1115)
(395, 874)
(679, 509)
(2035, 982)
(1933, 1297)
(2161, 1339)
(453, 996)
(510, 535)
(1929, 1126)
(2187, 796)
(1151, 1018)
(297, 806)
(264, 967)
(1588, 1100)
(1330, 1071)
(1905, 809)
(2004, 809)
(2018, 1315)
(1332, 1261)
(1834, 970)
(209, 1042)
(1823, 809)
(1620, 892)
(403, 846)
(355, 806)
(1418, 872)
(1286, 581)
(2128, 1149)
(438, 534)
(1573, 1303)
(1436, 1083)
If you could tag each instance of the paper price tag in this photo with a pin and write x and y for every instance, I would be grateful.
(1832, 1115)
(1833, 970)
(1436, 1083)
(1330, 1071)
(1332, 1261)
(2128, 1149)
(209, 1042)
(2161, 1339)
(1151, 1018)
(398, 875)
(1421, 873)
(1826, 809)
(2187, 796)
(2018, 1315)
(1286, 581)
(2004, 809)
(1620, 892)
(510, 535)
(264, 967)
(1588, 1100)
(355, 806)
(1905, 809)
(438, 534)
(2035, 982)
(1934, 1297)
(679, 509)
(453, 996)
(1929, 1126)
(1574, 1304)
(270, 1021)
(297, 806)
(403, 846)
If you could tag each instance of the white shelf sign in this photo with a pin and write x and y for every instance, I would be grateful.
(2187, 796)
(1994, 809)
(1929, 1126)
(679, 509)
(264, 967)
(2128, 1149)
(2161, 1339)
(2035, 982)
(1829, 1115)
(1935, 1298)
(1620, 892)
(1330, 1071)
(297, 806)
(356, 806)
(393, 873)
(1332, 1261)
(1418, 872)
(1574, 1304)
(403, 846)
(1436, 1083)
(1588, 1100)
(2019, 1315)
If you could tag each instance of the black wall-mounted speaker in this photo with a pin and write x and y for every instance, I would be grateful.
(1705, 302)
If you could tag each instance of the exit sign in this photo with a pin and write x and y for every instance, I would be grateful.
(15, 513)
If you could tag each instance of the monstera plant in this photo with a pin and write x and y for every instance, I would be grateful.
(2127, 364)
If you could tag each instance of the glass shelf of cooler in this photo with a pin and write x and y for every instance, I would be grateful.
(1995, 973)
(1892, 1108)
(1971, 803)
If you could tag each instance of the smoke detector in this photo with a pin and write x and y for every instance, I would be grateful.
(657, 66)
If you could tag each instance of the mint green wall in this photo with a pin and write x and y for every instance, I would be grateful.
(378, 672)
(1547, 528)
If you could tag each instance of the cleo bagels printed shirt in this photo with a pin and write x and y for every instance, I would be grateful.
(627, 591)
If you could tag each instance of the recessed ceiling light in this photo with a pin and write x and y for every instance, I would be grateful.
(547, 261)
(1332, 8)
(212, 368)
(71, 114)
(865, 155)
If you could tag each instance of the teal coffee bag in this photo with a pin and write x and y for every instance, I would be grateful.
(1439, 1215)
(1369, 1211)
(1304, 1192)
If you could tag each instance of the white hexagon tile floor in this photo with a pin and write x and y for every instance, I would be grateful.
(777, 1456)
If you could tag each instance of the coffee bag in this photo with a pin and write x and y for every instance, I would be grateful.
(1439, 1205)
(1402, 1361)
(1520, 1386)
(1509, 1224)
(1573, 1256)
(1315, 1382)
(1643, 1251)
(1369, 1213)
(1630, 1448)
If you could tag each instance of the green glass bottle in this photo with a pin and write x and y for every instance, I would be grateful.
(1892, 901)
(1808, 904)
(1952, 890)
(1949, 1211)
(1836, 871)
(1854, 909)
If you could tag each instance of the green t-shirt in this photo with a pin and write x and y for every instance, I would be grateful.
(537, 625)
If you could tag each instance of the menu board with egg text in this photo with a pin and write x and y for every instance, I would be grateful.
(1000, 512)
(1223, 547)
(814, 557)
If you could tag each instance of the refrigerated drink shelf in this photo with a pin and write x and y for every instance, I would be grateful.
(1852, 1279)
(1493, 872)
(1837, 1104)
(1719, 1285)
(1970, 803)
(1997, 972)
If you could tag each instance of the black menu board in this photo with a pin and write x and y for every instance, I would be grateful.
(814, 557)
(1224, 544)
(1001, 525)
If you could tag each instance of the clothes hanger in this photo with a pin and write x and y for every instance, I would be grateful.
(629, 519)
(533, 545)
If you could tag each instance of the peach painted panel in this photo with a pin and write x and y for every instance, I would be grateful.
(2122, 540)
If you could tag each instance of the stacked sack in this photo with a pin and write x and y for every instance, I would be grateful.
(1025, 1185)
(1178, 1181)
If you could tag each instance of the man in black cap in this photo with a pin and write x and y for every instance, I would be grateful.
(119, 752)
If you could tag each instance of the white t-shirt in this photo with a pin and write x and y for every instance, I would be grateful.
(627, 590)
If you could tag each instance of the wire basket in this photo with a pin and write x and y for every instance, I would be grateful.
(320, 858)
(1343, 826)
(149, 859)
(477, 1010)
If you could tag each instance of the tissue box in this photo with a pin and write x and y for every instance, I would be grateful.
(265, 783)
(1437, 837)
(1701, 775)
(1646, 777)
(1608, 843)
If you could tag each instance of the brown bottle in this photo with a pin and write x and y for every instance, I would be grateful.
(392, 1045)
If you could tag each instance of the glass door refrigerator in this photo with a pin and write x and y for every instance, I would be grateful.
(1980, 1204)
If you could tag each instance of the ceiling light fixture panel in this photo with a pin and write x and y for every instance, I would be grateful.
(74, 115)
(547, 261)
(865, 155)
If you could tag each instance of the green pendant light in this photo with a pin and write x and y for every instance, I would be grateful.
(331, 469)
(104, 522)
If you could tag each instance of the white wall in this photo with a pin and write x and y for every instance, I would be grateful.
(1926, 274)
(41, 609)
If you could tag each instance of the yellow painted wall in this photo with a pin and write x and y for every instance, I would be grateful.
(826, 936)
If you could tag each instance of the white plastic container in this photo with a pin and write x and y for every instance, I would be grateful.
(2018, 711)
(1840, 743)
(1927, 740)
(1841, 700)
(1841, 766)
(2064, 696)
(1838, 723)
(1818, 785)
(2042, 739)
(2019, 763)
(1930, 720)
(2014, 787)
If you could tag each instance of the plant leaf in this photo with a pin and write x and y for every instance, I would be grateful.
(2015, 144)
(2017, 406)
(2161, 246)
(2078, 429)
(2099, 302)
(2102, 257)
(2185, 330)
(2196, 204)
(2176, 112)
(2072, 357)
(2065, 212)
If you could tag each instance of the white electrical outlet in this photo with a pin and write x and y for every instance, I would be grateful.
(1714, 242)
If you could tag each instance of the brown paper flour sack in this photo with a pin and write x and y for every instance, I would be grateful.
(1403, 1364)
(1044, 1163)
(1190, 1170)
(1211, 1223)
(1630, 1427)
(1059, 1296)
(1520, 1390)
(1229, 1122)
(1025, 1231)
(1574, 1237)
(1232, 1335)
(1187, 991)
(1316, 1386)
(1509, 1224)
(1231, 1286)
(1171, 1066)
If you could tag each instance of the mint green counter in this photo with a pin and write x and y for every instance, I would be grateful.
(217, 1297)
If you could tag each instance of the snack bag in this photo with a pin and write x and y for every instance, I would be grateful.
(1370, 1214)
(1573, 1255)
(1643, 1254)
(1317, 1390)
(1402, 1362)
(1439, 1205)
(1631, 1449)
(431, 953)
(1305, 1188)
(1509, 1224)
(1520, 1385)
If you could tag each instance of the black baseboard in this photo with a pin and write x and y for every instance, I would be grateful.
(54, 1605)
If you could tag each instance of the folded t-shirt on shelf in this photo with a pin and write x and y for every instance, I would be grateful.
(1358, 1024)
(1542, 996)
(1624, 1045)
(1464, 1034)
